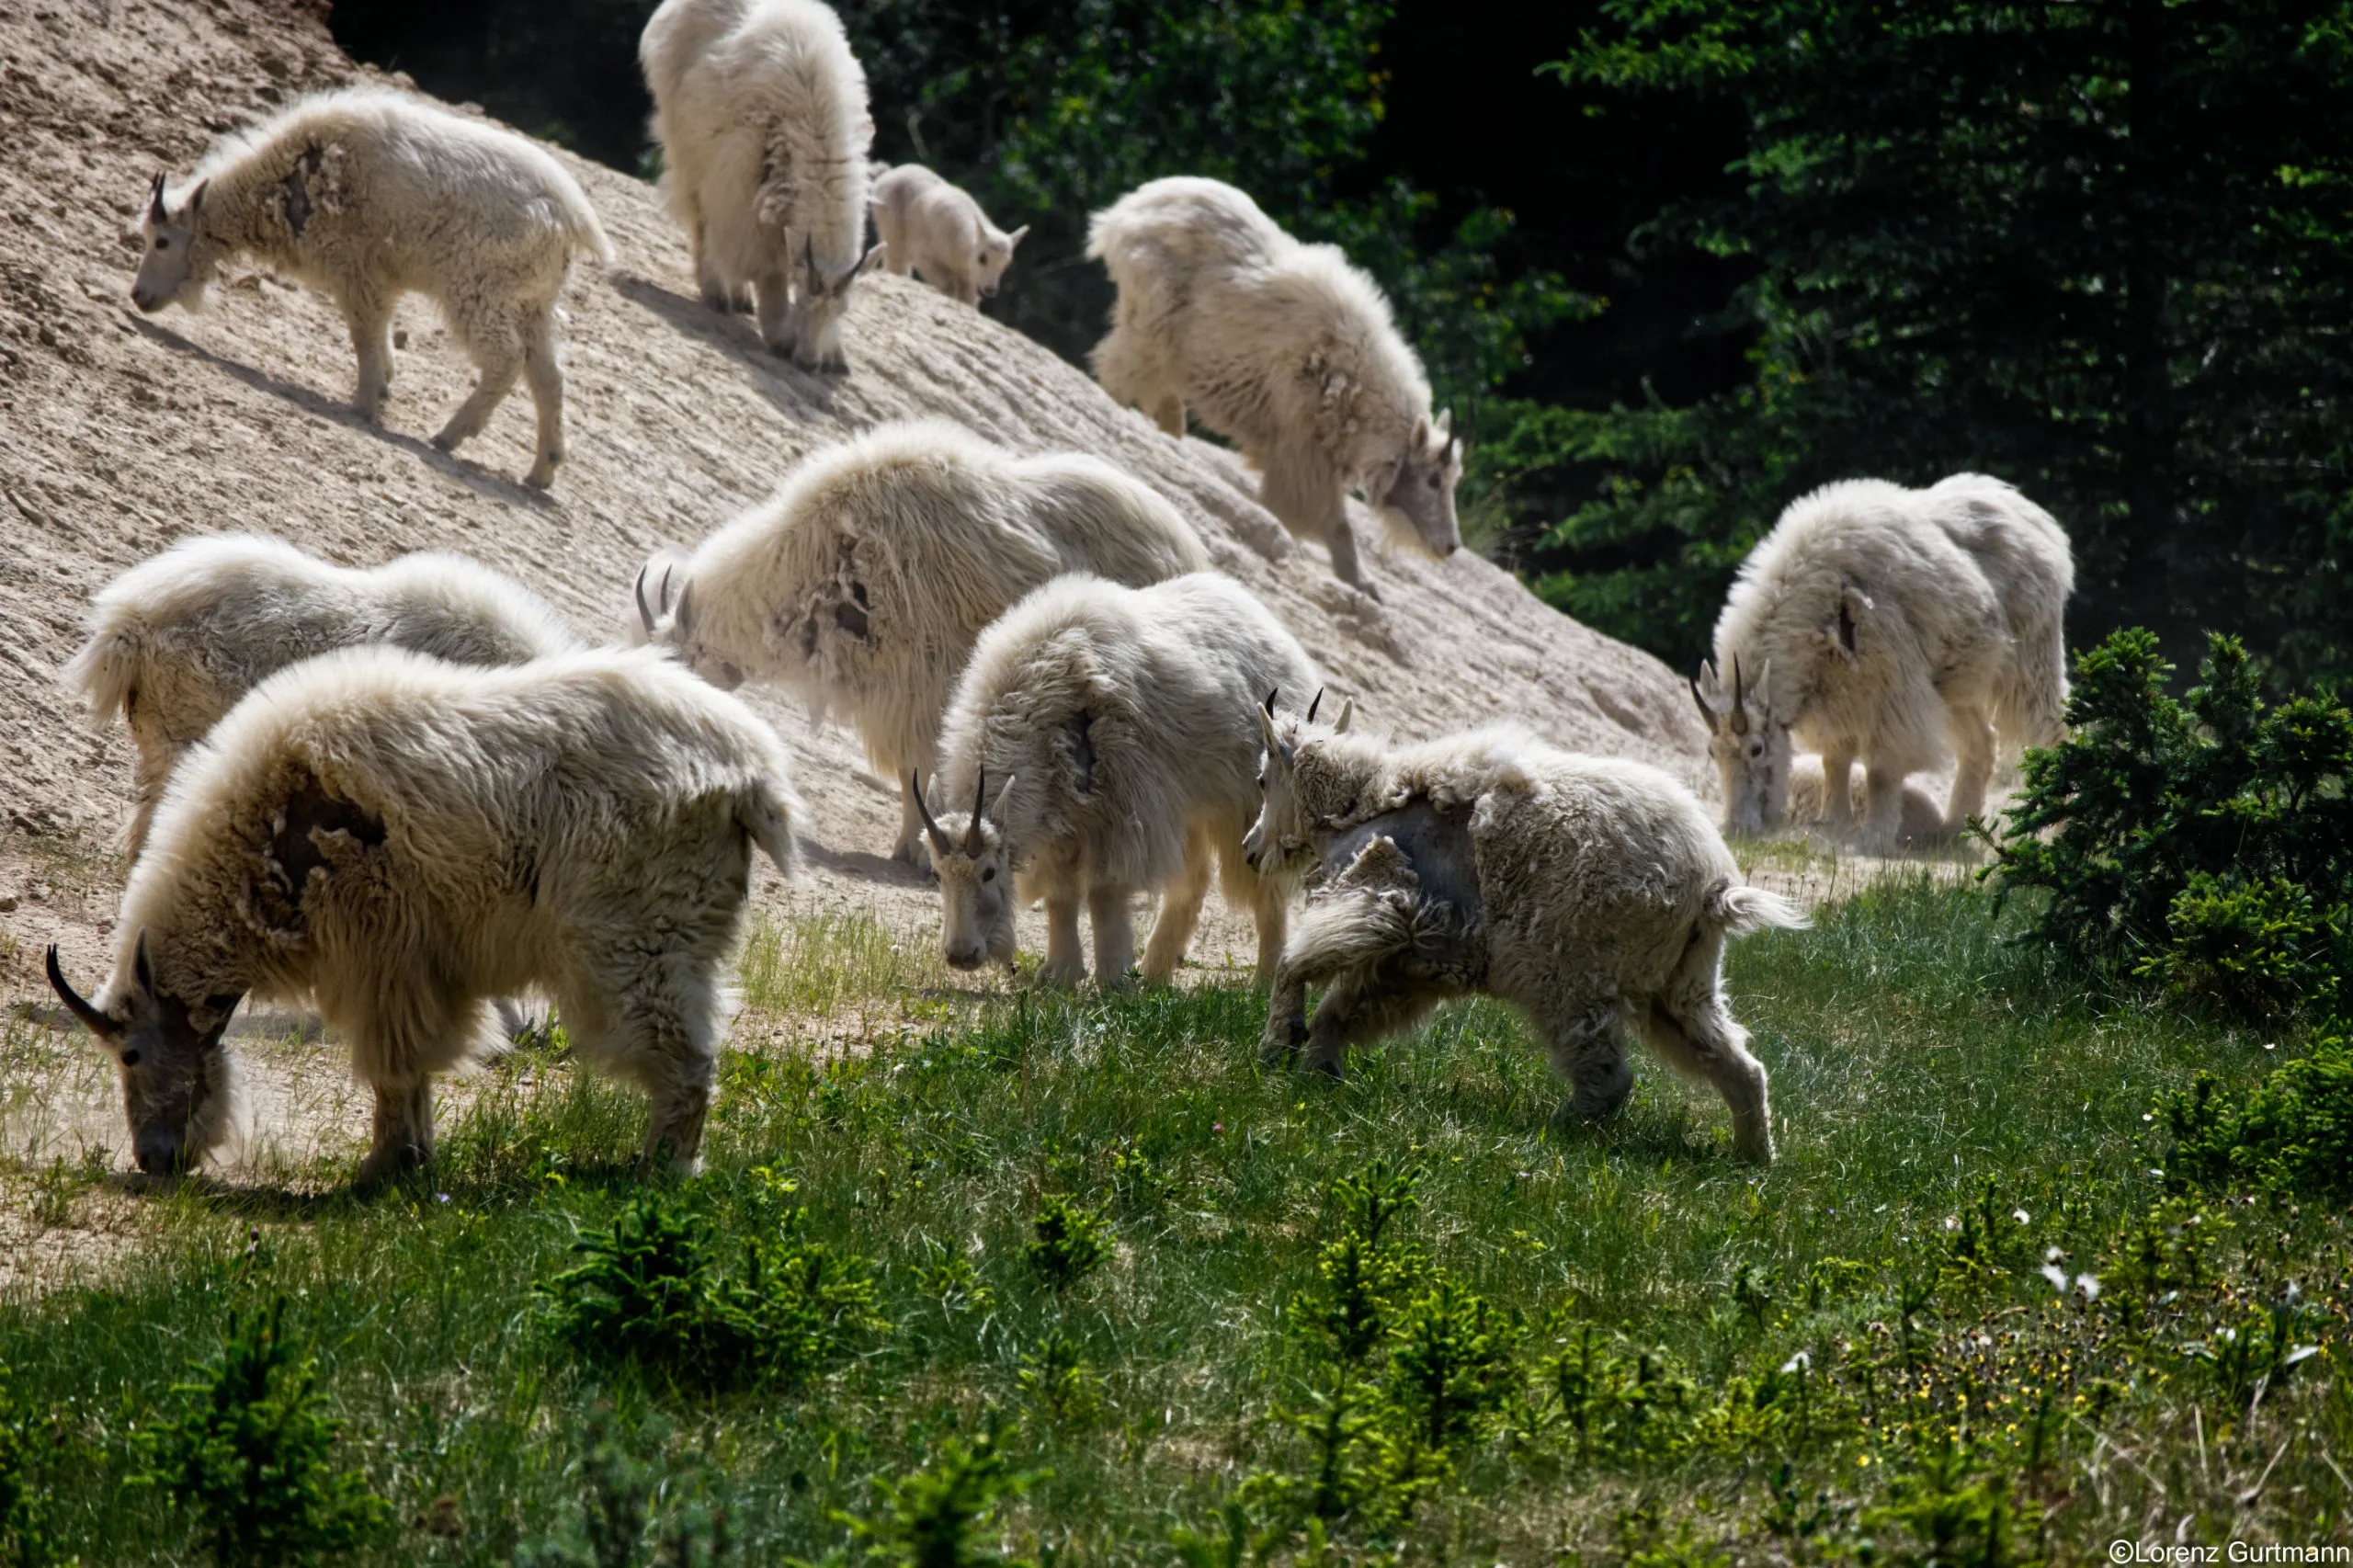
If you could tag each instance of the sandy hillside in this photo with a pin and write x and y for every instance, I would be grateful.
(121, 434)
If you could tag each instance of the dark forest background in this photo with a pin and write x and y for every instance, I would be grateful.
(1674, 262)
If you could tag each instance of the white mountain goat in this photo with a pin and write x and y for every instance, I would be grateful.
(366, 195)
(1284, 348)
(937, 230)
(1590, 892)
(175, 641)
(1115, 725)
(1899, 626)
(400, 839)
(863, 581)
(760, 111)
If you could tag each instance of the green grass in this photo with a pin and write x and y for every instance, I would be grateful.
(1685, 1360)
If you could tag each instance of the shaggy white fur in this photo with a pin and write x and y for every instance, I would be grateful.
(367, 195)
(760, 111)
(399, 839)
(1591, 893)
(1899, 626)
(175, 641)
(1115, 726)
(937, 231)
(863, 581)
(1283, 347)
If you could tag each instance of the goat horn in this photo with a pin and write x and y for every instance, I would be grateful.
(1706, 713)
(97, 1022)
(1271, 692)
(1739, 695)
(155, 198)
(1312, 707)
(644, 611)
(980, 801)
(938, 840)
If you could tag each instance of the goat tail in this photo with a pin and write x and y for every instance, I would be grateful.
(766, 808)
(104, 673)
(1737, 909)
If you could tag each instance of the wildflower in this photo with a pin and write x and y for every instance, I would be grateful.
(2056, 1275)
(2052, 1254)
(1800, 1362)
(2089, 1285)
(2020, 1216)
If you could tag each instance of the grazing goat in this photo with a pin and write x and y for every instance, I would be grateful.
(400, 839)
(939, 231)
(369, 195)
(175, 641)
(863, 581)
(1590, 892)
(1286, 350)
(760, 111)
(1899, 626)
(1117, 720)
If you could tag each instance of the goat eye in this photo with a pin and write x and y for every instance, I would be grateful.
(162, 243)
(1433, 481)
(988, 873)
(131, 1058)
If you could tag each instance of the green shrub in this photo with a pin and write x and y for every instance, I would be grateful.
(649, 1288)
(2205, 845)
(2291, 1132)
(26, 1539)
(248, 1455)
(935, 1516)
(1072, 1243)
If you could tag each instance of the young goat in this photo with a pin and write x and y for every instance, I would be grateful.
(1590, 892)
(1117, 720)
(367, 195)
(939, 231)
(400, 839)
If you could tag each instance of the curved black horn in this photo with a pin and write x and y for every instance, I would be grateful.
(155, 198)
(1706, 712)
(644, 612)
(97, 1022)
(980, 801)
(1271, 692)
(1739, 693)
(915, 783)
(1315, 705)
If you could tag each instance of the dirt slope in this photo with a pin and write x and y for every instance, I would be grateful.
(121, 434)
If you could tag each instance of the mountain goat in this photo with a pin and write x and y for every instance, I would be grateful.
(937, 230)
(400, 839)
(1117, 720)
(175, 641)
(367, 195)
(1590, 892)
(760, 111)
(1284, 348)
(863, 581)
(1899, 626)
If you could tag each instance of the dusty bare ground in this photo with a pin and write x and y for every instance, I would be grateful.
(121, 434)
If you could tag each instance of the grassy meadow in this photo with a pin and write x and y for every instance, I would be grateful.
(1076, 1281)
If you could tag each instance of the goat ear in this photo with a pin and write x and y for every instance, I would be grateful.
(1348, 711)
(1013, 239)
(1418, 442)
(142, 970)
(867, 263)
(1444, 426)
(1699, 700)
(997, 807)
(1267, 733)
(156, 211)
(196, 198)
(682, 614)
(1760, 696)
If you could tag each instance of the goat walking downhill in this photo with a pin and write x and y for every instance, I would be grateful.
(937, 231)
(1286, 350)
(1899, 626)
(1590, 892)
(367, 195)
(401, 840)
(1115, 725)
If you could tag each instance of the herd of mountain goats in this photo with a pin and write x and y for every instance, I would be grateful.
(410, 795)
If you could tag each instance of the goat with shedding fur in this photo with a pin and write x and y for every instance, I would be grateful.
(1282, 347)
(1590, 892)
(863, 581)
(400, 839)
(759, 107)
(937, 231)
(1902, 627)
(367, 195)
(1115, 726)
(179, 638)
